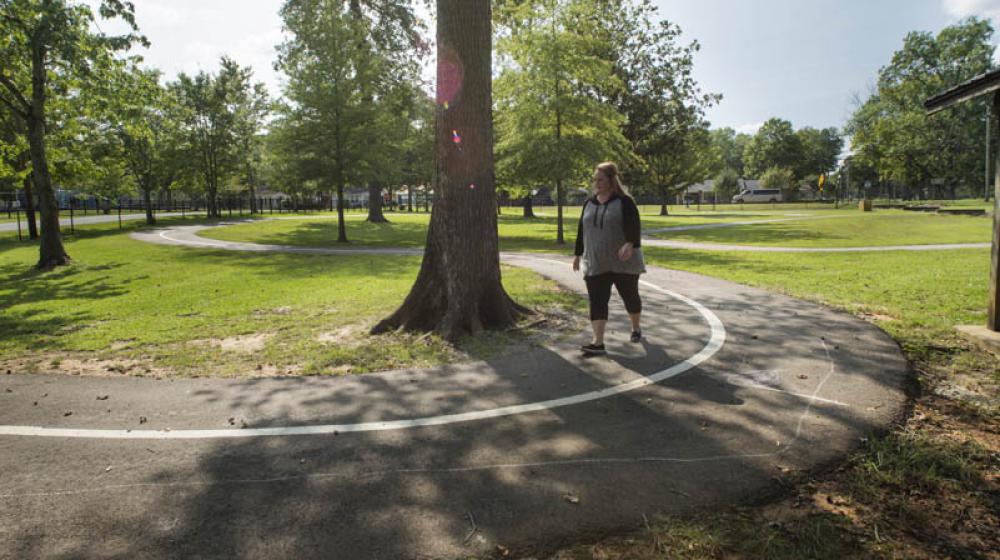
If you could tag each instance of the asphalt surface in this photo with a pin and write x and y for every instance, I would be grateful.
(732, 389)
(80, 219)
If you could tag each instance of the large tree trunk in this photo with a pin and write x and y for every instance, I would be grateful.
(529, 206)
(29, 209)
(458, 290)
(375, 214)
(51, 251)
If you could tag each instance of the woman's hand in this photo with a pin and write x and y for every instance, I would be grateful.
(576, 263)
(625, 253)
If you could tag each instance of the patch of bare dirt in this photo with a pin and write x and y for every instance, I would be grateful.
(348, 336)
(82, 364)
(246, 344)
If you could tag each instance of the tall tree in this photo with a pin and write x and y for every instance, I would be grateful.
(458, 289)
(252, 109)
(337, 86)
(662, 103)
(43, 36)
(143, 117)
(551, 129)
(210, 112)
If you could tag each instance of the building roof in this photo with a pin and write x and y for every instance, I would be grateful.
(980, 85)
(709, 185)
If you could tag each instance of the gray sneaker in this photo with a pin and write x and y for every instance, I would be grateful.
(593, 349)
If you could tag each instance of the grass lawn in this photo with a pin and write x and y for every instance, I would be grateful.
(850, 229)
(152, 310)
(410, 230)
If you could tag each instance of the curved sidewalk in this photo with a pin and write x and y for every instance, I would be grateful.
(731, 388)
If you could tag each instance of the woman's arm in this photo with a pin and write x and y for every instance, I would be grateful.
(578, 250)
(630, 219)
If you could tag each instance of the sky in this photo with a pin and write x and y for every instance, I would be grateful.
(805, 61)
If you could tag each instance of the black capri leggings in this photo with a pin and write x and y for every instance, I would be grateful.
(599, 290)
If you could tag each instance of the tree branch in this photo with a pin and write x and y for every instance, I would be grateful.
(25, 106)
(14, 108)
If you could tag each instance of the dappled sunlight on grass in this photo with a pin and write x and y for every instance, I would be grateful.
(173, 306)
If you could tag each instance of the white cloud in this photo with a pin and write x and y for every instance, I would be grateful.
(982, 8)
(191, 35)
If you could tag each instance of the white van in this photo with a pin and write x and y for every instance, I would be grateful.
(759, 195)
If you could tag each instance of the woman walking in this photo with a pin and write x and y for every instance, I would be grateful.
(607, 240)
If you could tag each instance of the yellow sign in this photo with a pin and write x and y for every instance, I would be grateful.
(822, 181)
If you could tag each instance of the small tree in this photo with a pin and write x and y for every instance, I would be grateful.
(726, 184)
(781, 178)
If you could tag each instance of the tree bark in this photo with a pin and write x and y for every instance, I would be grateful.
(560, 237)
(663, 203)
(51, 251)
(341, 228)
(147, 201)
(375, 214)
(529, 206)
(29, 209)
(458, 290)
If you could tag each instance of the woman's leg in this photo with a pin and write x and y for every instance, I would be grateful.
(628, 288)
(598, 327)
(599, 292)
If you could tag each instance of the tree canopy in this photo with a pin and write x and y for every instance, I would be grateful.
(890, 133)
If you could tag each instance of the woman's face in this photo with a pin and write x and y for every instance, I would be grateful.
(602, 185)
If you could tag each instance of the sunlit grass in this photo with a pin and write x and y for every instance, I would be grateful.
(171, 307)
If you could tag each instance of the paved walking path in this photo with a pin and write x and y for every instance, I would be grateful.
(731, 389)
(81, 219)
